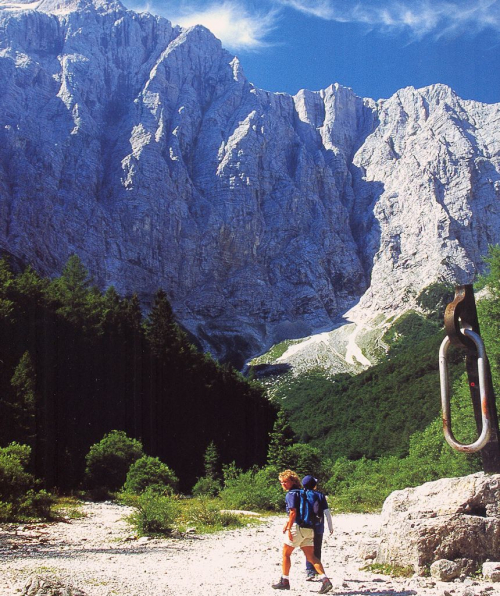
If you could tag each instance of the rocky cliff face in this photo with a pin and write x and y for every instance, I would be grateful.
(427, 187)
(143, 148)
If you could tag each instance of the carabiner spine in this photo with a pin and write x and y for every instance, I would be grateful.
(445, 395)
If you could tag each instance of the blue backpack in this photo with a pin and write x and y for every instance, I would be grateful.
(308, 513)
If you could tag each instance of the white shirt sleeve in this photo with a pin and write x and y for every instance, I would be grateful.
(328, 517)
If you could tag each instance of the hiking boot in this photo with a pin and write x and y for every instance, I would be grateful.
(326, 587)
(283, 584)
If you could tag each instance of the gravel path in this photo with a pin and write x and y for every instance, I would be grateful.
(99, 555)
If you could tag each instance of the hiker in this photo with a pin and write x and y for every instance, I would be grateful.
(310, 483)
(295, 535)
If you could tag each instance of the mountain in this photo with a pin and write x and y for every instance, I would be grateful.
(142, 147)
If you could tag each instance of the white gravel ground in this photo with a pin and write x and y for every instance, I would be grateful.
(98, 555)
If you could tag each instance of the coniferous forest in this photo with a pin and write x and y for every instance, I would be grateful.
(77, 363)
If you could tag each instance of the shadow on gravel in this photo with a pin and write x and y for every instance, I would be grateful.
(375, 592)
(31, 550)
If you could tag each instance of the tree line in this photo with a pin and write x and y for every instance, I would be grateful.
(77, 363)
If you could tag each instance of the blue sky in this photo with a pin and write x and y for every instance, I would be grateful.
(373, 46)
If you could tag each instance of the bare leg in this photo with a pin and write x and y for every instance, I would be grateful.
(312, 558)
(286, 561)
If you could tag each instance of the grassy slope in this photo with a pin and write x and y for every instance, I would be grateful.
(373, 413)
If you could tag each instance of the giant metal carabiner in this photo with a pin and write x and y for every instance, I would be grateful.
(445, 395)
(462, 329)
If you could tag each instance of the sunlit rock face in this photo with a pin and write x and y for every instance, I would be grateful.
(427, 190)
(143, 148)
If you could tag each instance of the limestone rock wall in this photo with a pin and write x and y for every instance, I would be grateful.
(143, 148)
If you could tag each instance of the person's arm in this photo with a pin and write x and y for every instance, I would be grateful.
(290, 521)
(328, 517)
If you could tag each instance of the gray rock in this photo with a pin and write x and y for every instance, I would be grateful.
(367, 549)
(491, 571)
(42, 586)
(453, 518)
(444, 570)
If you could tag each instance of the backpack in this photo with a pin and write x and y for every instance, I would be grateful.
(308, 514)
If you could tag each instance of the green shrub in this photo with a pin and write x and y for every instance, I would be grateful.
(108, 461)
(155, 514)
(305, 459)
(15, 481)
(392, 570)
(489, 312)
(254, 490)
(18, 496)
(150, 472)
(362, 485)
(37, 504)
(210, 484)
(408, 330)
(206, 486)
(206, 515)
(68, 507)
(230, 472)
(6, 512)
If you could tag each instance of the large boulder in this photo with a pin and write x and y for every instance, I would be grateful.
(456, 519)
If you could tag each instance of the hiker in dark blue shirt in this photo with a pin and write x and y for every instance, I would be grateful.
(310, 483)
(296, 534)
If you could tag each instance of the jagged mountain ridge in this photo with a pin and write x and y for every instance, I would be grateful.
(143, 148)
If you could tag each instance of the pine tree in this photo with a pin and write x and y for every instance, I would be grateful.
(23, 406)
(74, 280)
(112, 307)
(80, 302)
(161, 329)
(211, 462)
(132, 309)
(6, 280)
(280, 439)
(134, 346)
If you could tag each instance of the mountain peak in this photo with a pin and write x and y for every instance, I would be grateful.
(62, 6)
(19, 4)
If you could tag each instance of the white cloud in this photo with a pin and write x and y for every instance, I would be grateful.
(237, 27)
(243, 28)
(418, 17)
(318, 8)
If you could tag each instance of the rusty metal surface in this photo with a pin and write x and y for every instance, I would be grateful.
(461, 314)
(462, 328)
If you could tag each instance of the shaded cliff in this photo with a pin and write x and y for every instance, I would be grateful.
(143, 148)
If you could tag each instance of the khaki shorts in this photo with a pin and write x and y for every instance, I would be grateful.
(300, 537)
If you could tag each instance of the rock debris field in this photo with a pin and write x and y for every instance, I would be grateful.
(98, 555)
